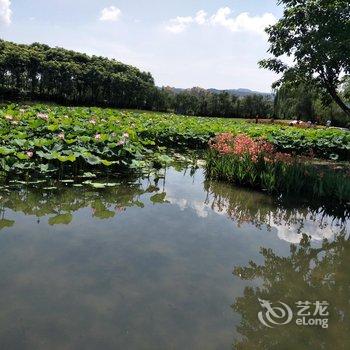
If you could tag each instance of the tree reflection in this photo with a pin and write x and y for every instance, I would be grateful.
(256, 208)
(308, 273)
(241, 205)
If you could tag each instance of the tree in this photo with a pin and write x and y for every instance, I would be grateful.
(316, 33)
(295, 102)
(40, 72)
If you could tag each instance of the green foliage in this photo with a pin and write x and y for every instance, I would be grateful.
(4, 223)
(295, 102)
(58, 201)
(61, 219)
(305, 102)
(292, 178)
(316, 34)
(159, 198)
(53, 139)
(38, 71)
(201, 102)
(309, 272)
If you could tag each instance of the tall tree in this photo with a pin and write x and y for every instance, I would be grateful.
(316, 34)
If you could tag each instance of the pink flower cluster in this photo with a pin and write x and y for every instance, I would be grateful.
(245, 145)
(242, 144)
(223, 143)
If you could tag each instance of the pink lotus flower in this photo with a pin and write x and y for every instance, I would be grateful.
(30, 154)
(8, 117)
(61, 136)
(92, 121)
(126, 135)
(120, 143)
(43, 116)
(97, 136)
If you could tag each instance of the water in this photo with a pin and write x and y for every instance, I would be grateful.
(164, 264)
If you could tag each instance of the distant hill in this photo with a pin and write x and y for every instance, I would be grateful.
(236, 92)
(242, 92)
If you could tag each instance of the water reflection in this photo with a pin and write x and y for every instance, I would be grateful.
(307, 274)
(68, 199)
(147, 264)
(289, 218)
(240, 205)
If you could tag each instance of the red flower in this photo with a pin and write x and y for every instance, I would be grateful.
(242, 144)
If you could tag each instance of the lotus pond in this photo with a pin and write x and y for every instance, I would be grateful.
(48, 140)
(165, 261)
(112, 237)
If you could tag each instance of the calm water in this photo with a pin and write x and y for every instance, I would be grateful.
(165, 265)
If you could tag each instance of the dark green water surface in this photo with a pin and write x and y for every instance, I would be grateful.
(165, 265)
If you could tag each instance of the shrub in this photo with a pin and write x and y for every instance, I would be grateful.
(255, 163)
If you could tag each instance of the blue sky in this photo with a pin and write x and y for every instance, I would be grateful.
(182, 43)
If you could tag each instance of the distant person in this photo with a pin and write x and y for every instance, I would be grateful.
(328, 123)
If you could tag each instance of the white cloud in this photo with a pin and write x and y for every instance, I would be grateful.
(179, 24)
(313, 229)
(5, 12)
(243, 22)
(110, 13)
(201, 17)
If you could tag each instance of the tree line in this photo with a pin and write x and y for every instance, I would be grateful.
(198, 101)
(40, 72)
(307, 103)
